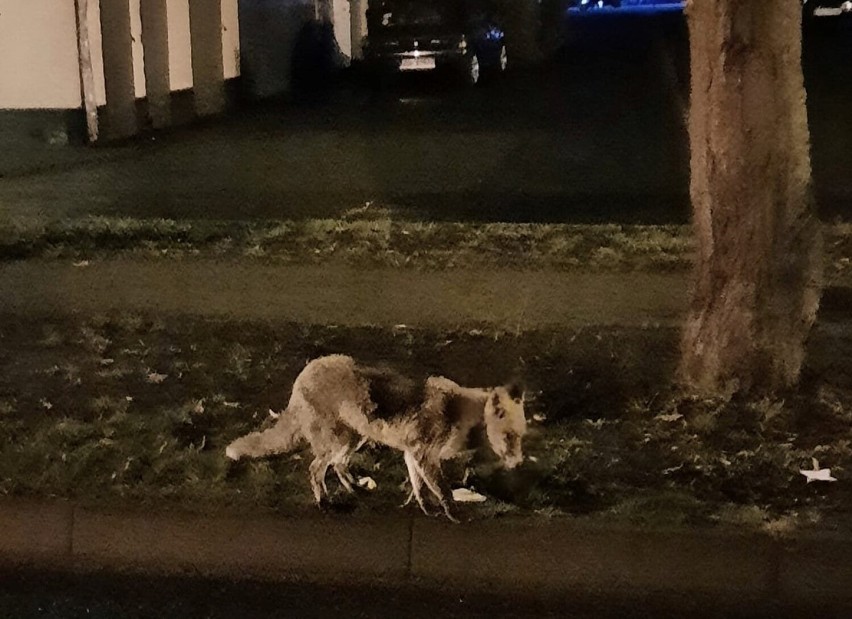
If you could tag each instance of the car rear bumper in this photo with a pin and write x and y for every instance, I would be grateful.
(415, 61)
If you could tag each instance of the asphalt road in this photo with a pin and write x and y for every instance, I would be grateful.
(596, 134)
(25, 595)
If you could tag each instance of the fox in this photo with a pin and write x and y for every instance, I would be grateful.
(338, 404)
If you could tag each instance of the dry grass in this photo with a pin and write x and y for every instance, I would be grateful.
(373, 238)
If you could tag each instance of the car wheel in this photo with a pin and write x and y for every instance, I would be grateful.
(473, 70)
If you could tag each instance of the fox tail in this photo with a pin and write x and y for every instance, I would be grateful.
(284, 436)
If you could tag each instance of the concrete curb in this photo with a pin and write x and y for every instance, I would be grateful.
(547, 557)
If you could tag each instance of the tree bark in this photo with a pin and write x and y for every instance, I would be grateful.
(758, 274)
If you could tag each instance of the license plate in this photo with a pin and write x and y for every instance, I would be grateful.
(423, 63)
(824, 11)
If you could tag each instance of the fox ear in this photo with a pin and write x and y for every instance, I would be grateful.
(499, 412)
(516, 391)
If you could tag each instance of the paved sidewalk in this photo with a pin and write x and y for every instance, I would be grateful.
(329, 294)
(523, 555)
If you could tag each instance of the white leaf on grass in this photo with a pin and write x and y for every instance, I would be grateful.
(46, 404)
(817, 474)
(464, 495)
(230, 404)
(538, 417)
(199, 407)
(532, 458)
(81, 263)
(155, 378)
(368, 483)
(671, 417)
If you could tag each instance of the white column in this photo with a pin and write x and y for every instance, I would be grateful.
(205, 25)
(155, 41)
(118, 68)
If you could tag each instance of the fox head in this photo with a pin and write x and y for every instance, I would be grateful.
(505, 424)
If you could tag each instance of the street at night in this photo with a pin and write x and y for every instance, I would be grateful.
(596, 134)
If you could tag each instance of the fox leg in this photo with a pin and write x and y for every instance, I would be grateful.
(434, 479)
(344, 476)
(340, 464)
(318, 469)
(416, 482)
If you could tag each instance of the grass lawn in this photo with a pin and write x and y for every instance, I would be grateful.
(370, 237)
(128, 408)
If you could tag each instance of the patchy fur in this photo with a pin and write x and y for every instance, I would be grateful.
(337, 404)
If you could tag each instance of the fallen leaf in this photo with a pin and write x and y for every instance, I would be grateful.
(464, 495)
(671, 417)
(532, 459)
(367, 483)
(155, 378)
(81, 263)
(820, 475)
(539, 418)
(199, 407)
(817, 474)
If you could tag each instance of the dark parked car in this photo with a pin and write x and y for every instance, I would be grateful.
(427, 35)
(826, 8)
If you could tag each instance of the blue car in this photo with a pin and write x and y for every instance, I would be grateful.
(585, 5)
(409, 36)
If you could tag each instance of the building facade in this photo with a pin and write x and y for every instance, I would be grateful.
(98, 70)
(133, 63)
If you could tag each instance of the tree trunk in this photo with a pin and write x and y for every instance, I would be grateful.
(758, 274)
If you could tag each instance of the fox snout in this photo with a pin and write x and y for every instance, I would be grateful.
(512, 461)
